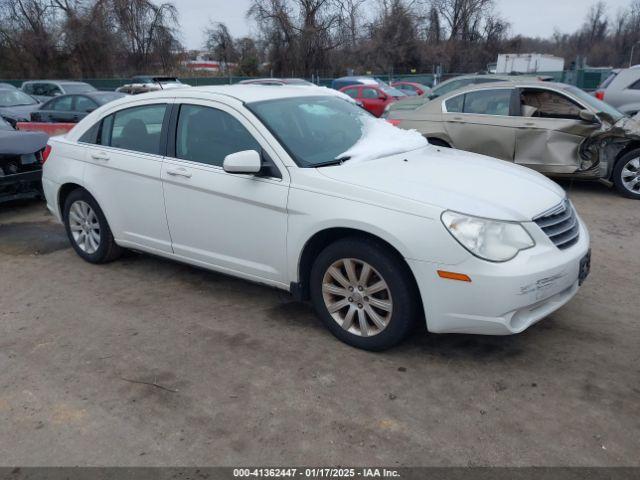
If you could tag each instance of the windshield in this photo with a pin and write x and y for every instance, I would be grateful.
(77, 88)
(319, 131)
(15, 98)
(597, 105)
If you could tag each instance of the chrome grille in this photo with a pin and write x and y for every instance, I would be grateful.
(561, 225)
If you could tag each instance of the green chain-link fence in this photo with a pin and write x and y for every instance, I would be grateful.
(587, 79)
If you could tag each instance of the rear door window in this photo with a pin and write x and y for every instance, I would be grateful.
(137, 129)
(488, 102)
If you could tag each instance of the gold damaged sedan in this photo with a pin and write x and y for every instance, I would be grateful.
(554, 128)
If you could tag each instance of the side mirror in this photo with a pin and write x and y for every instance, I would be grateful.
(247, 161)
(382, 96)
(588, 116)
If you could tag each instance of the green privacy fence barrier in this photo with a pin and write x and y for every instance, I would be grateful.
(588, 79)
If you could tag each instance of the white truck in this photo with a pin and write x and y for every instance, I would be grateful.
(528, 63)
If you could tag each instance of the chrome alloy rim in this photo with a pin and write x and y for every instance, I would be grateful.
(357, 297)
(631, 175)
(85, 227)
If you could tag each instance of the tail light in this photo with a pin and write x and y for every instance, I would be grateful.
(394, 122)
(45, 153)
(600, 95)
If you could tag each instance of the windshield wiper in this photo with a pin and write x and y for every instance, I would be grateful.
(330, 163)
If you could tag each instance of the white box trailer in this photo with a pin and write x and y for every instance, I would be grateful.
(528, 63)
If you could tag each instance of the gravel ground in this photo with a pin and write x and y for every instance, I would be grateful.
(148, 362)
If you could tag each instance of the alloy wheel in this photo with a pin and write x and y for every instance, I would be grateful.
(84, 226)
(630, 175)
(357, 297)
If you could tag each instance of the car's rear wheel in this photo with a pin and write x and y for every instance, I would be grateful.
(626, 175)
(87, 228)
(364, 293)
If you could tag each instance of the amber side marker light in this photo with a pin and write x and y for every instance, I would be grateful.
(461, 277)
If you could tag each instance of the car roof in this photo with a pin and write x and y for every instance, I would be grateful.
(245, 93)
(62, 82)
(524, 83)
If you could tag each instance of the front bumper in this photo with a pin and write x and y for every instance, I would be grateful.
(502, 298)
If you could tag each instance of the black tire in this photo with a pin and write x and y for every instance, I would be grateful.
(619, 175)
(392, 269)
(107, 250)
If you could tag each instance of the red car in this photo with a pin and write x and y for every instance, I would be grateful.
(374, 98)
(411, 88)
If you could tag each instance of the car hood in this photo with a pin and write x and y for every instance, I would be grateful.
(456, 180)
(19, 113)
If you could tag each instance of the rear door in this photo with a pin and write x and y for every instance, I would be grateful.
(550, 131)
(481, 121)
(124, 163)
(235, 223)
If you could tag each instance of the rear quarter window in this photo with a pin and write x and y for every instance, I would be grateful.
(138, 129)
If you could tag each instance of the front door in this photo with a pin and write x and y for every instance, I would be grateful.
(550, 131)
(234, 223)
(481, 122)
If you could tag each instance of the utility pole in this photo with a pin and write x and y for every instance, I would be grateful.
(631, 56)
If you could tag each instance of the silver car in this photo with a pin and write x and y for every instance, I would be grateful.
(622, 90)
(556, 129)
(44, 90)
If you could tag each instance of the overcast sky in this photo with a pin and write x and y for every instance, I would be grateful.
(527, 17)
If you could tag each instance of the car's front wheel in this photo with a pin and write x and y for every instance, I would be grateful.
(87, 228)
(626, 175)
(364, 293)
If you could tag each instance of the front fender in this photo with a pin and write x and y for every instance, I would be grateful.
(414, 237)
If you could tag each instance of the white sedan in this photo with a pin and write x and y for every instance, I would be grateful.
(300, 189)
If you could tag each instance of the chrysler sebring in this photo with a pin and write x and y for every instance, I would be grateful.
(300, 189)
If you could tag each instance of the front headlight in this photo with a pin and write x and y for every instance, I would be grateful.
(493, 240)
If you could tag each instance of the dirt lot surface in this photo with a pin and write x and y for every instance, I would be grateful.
(148, 362)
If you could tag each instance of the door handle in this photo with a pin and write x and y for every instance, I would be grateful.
(179, 173)
(100, 156)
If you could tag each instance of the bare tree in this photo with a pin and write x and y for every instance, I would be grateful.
(220, 44)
